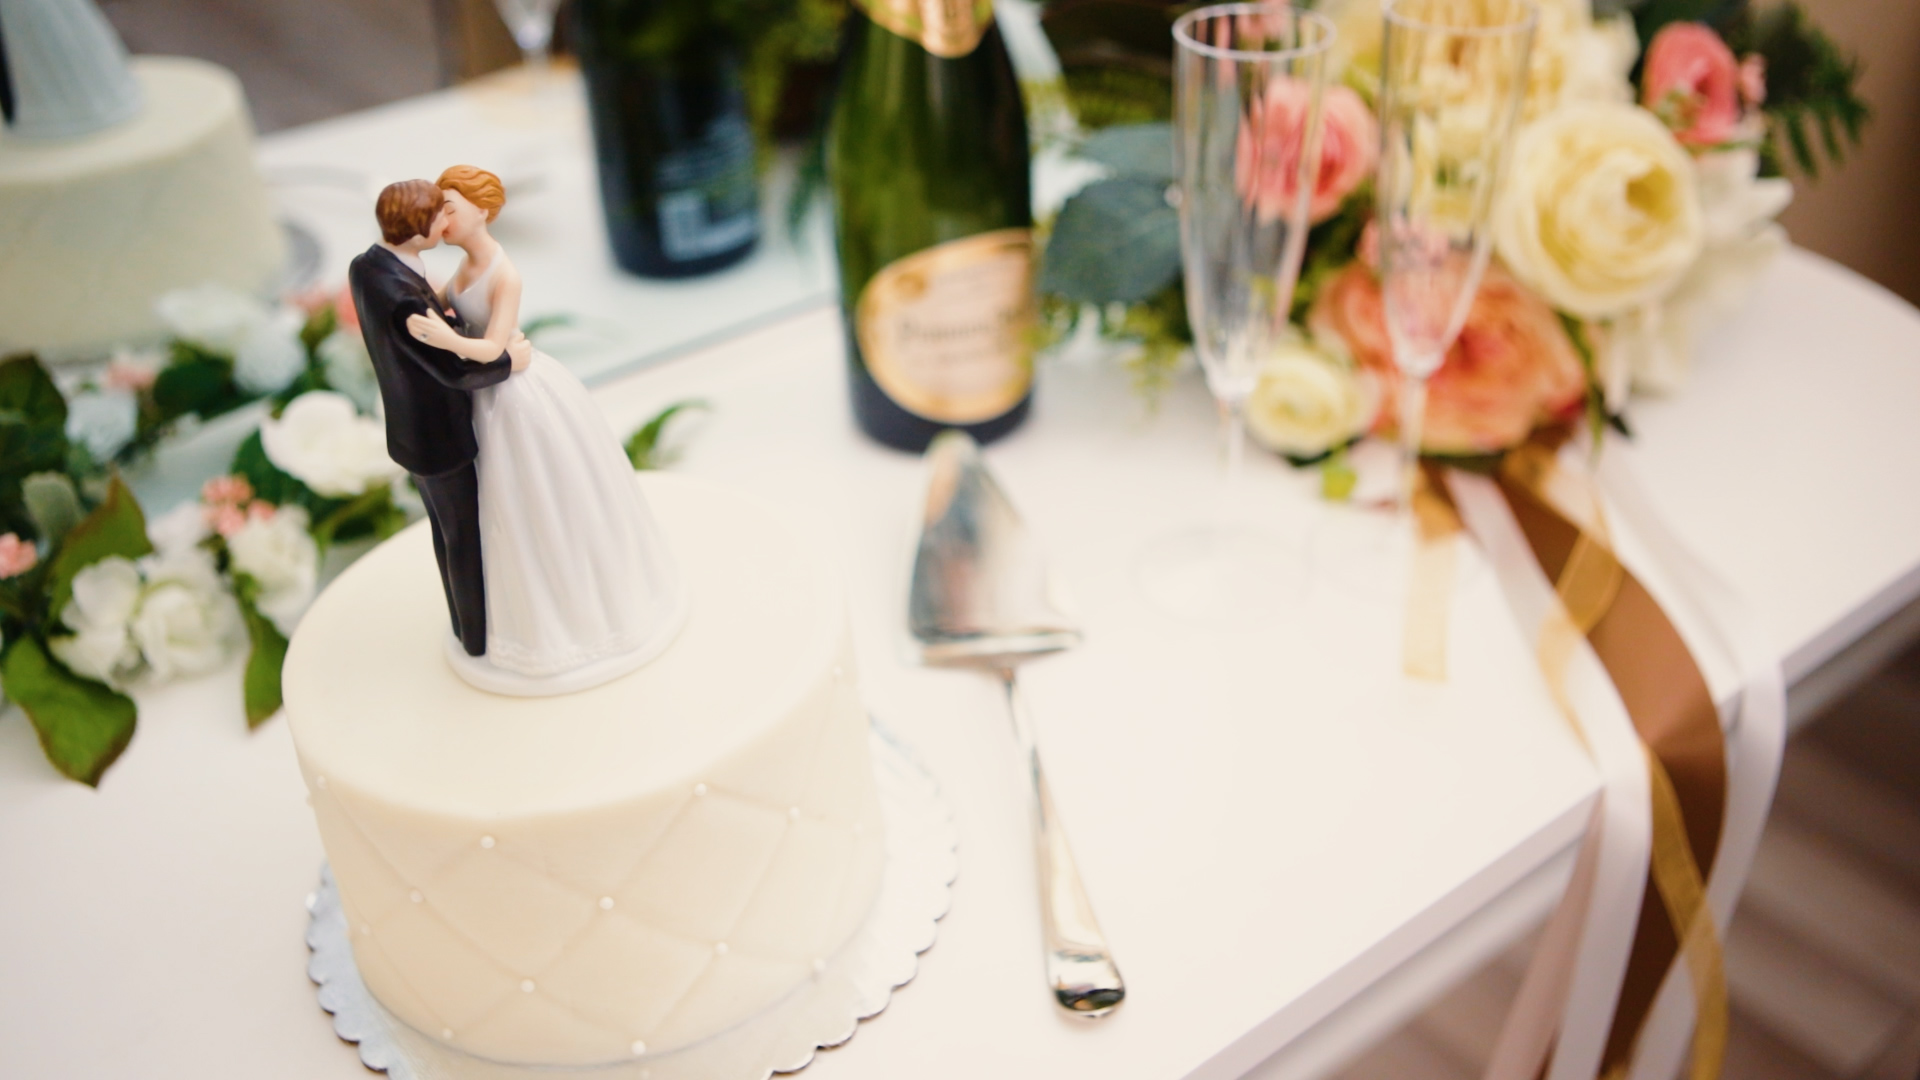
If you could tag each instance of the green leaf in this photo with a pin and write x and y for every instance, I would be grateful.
(371, 513)
(116, 527)
(277, 486)
(196, 383)
(33, 434)
(261, 684)
(83, 725)
(324, 321)
(52, 503)
(1143, 150)
(1115, 241)
(644, 449)
(533, 326)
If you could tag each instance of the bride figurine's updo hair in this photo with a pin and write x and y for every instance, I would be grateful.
(481, 188)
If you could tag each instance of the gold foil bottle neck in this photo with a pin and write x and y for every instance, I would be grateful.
(947, 28)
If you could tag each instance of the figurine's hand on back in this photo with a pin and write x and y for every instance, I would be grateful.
(521, 351)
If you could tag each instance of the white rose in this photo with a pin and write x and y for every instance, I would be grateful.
(180, 528)
(187, 622)
(1600, 213)
(213, 317)
(1653, 344)
(344, 359)
(1307, 402)
(269, 355)
(280, 556)
(103, 421)
(324, 442)
(105, 597)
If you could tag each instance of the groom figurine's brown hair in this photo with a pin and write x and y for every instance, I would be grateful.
(405, 209)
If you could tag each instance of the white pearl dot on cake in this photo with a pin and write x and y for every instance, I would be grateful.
(719, 948)
(320, 782)
(793, 813)
(486, 842)
(365, 930)
(837, 672)
(415, 896)
(526, 986)
(639, 1047)
(819, 965)
(858, 828)
(606, 903)
(446, 1034)
(699, 789)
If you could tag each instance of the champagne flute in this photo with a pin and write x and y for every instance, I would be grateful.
(1453, 78)
(531, 24)
(1249, 79)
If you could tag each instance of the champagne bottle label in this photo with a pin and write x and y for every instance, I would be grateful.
(946, 28)
(945, 331)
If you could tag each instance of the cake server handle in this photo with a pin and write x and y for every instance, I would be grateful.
(1080, 967)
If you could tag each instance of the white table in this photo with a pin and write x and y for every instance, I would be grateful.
(1289, 845)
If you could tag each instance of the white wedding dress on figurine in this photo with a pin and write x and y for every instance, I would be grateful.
(581, 588)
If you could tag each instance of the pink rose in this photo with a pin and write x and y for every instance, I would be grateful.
(17, 556)
(1753, 80)
(226, 491)
(312, 300)
(260, 510)
(1267, 153)
(130, 373)
(1512, 368)
(226, 519)
(1693, 84)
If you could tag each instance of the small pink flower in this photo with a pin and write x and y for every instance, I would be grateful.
(17, 556)
(1753, 80)
(1267, 152)
(312, 300)
(226, 519)
(260, 510)
(130, 375)
(1693, 84)
(226, 491)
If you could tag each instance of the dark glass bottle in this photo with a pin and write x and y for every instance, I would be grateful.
(670, 132)
(927, 154)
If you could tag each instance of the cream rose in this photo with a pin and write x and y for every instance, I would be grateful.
(187, 622)
(280, 556)
(323, 441)
(1601, 212)
(1307, 402)
(105, 597)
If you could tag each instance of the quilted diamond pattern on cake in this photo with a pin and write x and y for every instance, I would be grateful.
(736, 986)
(579, 857)
(686, 891)
(377, 970)
(424, 949)
(535, 1016)
(594, 977)
(527, 917)
(825, 794)
(374, 886)
(787, 918)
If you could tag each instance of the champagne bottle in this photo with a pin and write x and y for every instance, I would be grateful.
(674, 148)
(927, 154)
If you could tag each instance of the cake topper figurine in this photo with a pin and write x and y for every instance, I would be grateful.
(555, 574)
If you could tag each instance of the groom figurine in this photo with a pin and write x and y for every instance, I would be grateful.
(428, 393)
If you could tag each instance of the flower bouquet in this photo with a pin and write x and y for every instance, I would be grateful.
(1638, 209)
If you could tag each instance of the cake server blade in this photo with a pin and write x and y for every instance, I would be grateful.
(981, 597)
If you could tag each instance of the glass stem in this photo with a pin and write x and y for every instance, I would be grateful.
(1236, 430)
(1413, 416)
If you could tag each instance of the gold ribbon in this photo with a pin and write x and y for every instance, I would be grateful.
(1679, 727)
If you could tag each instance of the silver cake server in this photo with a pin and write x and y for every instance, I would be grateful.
(981, 598)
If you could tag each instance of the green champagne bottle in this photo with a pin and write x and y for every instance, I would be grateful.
(927, 154)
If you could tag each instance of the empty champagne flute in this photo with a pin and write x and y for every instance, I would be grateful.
(1249, 79)
(531, 24)
(1453, 78)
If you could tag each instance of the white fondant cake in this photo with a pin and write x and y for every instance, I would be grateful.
(94, 229)
(624, 870)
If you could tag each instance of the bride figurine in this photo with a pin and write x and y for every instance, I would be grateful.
(580, 588)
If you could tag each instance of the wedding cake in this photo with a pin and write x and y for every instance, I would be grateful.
(118, 182)
(621, 871)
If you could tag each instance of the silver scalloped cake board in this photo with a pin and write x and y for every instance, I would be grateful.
(856, 983)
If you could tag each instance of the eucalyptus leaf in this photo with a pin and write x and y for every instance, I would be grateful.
(261, 684)
(1143, 150)
(33, 433)
(116, 527)
(83, 725)
(1115, 241)
(52, 503)
(644, 448)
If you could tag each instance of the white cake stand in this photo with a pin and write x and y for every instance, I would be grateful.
(856, 983)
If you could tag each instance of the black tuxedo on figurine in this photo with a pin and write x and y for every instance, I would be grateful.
(428, 397)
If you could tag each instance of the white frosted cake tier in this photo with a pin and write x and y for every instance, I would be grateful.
(620, 871)
(94, 229)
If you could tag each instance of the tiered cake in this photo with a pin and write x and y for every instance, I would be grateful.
(621, 871)
(94, 228)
